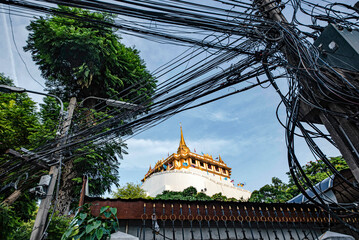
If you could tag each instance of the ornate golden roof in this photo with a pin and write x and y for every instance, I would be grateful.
(183, 157)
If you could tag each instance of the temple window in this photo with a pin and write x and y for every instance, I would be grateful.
(201, 164)
(209, 166)
(217, 169)
(193, 161)
(224, 171)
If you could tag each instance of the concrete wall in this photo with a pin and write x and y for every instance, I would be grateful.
(210, 230)
(178, 180)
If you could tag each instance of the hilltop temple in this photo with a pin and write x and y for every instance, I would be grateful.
(185, 168)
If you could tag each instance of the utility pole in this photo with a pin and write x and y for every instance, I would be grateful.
(343, 132)
(41, 217)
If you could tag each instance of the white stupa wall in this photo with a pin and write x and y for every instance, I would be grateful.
(178, 180)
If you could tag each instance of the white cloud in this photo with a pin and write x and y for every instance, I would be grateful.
(208, 114)
(143, 152)
(222, 116)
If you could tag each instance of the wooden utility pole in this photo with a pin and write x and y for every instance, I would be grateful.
(343, 132)
(41, 217)
(12, 198)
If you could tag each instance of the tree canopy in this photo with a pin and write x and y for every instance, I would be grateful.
(85, 57)
(20, 126)
(279, 191)
(79, 54)
(191, 194)
(275, 192)
(130, 191)
(18, 118)
(133, 191)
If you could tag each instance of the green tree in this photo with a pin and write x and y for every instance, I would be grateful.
(203, 197)
(219, 197)
(191, 194)
(317, 171)
(275, 192)
(9, 222)
(18, 118)
(82, 56)
(169, 195)
(279, 191)
(190, 191)
(85, 58)
(22, 126)
(130, 191)
(19, 124)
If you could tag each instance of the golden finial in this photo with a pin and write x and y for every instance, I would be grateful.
(182, 146)
(220, 159)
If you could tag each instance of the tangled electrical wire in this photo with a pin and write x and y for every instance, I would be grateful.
(229, 42)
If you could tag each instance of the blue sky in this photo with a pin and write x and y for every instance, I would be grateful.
(242, 128)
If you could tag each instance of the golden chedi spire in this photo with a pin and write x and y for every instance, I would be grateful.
(182, 146)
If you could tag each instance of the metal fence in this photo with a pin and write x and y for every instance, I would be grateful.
(184, 220)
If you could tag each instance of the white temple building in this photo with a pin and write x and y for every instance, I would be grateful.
(185, 168)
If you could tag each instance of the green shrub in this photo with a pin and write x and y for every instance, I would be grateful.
(9, 223)
(86, 226)
(12, 228)
(58, 226)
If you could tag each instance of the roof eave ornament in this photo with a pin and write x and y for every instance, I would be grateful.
(220, 159)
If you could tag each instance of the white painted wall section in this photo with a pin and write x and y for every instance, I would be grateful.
(178, 180)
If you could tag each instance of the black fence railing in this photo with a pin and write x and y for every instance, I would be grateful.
(152, 219)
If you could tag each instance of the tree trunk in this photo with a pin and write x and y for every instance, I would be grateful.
(66, 194)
